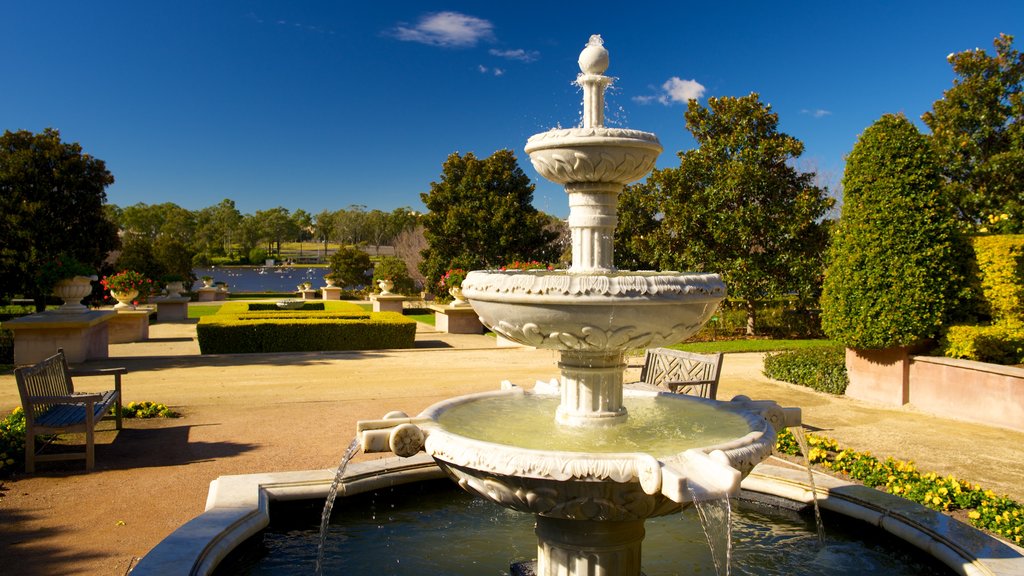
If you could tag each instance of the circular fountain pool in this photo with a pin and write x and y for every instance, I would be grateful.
(433, 527)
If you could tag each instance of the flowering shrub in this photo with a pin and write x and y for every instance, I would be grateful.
(997, 514)
(128, 280)
(452, 279)
(531, 265)
(145, 410)
(61, 267)
(12, 442)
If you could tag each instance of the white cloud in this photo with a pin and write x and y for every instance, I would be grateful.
(816, 113)
(679, 90)
(450, 29)
(675, 89)
(485, 70)
(518, 54)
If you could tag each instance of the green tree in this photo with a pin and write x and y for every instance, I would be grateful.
(276, 226)
(352, 265)
(480, 216)
(895, 265)
(394, 269)
(978, 131)
(52, 200)
(735, 206)
(323, 227)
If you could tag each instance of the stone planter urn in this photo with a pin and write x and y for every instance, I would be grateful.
(330, 281)
(207, 283)
(457, 297)
(124, 299)
(71, 291)
(174, 289)
(385, 286)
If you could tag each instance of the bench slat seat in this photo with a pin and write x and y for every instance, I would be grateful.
(68, 415)
(682, 372)
(53, 407)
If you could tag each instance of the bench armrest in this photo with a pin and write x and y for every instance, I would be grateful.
(96, 371)
(75, 397)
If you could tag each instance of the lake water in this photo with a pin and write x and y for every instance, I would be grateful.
(263, 278)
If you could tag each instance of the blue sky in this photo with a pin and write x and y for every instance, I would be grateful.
(321, 105)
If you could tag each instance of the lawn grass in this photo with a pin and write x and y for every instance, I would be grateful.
(753, 345)
(424, 318)
(204, 310)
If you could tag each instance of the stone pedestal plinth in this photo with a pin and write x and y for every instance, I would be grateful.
(388, 302)
(331, 292)
(222, 293)
(83, 336)
(207, 294)
(172, 308)
(457, 319)
(309, 294)
(129, 326)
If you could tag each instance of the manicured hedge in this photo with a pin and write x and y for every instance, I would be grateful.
(1001, 343)
(333, 306)
(303, 332)
(823, 369)
(1001, 264)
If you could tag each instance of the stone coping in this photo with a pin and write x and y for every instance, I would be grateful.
(448, 309)
(971, 365)
(54, 320)
(238, 507)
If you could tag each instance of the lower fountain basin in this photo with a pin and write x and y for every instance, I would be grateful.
(561, 310)
(530, 464)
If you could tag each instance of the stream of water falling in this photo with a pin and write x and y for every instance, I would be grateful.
(801, 439)
(325, 518)
(715, 513)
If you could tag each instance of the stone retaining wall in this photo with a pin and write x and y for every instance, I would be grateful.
(963, 389)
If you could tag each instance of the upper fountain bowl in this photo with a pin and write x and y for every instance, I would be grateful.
(560, 310)
(596, 154)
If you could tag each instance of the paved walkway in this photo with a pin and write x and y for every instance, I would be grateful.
(251, 413)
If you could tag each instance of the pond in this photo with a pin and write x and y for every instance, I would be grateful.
(263, 278)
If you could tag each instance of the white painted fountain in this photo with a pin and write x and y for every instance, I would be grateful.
(591, 458)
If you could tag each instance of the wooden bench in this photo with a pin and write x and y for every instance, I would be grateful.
(52, 406)
(682, 372)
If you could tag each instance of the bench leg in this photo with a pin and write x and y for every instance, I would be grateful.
(117, 405)
(30, 451)
(90, 450)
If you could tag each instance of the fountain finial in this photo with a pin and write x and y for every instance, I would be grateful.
(594, 57)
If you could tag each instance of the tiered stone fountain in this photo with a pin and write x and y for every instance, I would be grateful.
(571, 452)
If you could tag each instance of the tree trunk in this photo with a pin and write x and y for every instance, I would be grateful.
(751, 317)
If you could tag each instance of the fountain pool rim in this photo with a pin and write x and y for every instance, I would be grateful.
(238, 507)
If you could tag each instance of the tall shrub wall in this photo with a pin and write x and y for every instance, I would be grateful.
(1001, 263)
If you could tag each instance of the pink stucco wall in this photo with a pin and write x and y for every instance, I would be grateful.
(963, 389)
(975, 391)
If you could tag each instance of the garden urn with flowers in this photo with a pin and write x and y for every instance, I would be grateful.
(125, 287)
(452, 282)
(68, 279)
(174, 285)
(385, 285)
(331, 280)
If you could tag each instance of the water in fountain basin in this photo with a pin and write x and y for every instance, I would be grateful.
(801, 439)
(657, 426)
(325, 518)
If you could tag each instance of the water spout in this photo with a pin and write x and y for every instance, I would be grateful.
(325, 518)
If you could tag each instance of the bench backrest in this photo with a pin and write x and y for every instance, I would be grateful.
(666, 368)
(50, 377)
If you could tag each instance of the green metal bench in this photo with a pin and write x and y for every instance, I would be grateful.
(53, 407)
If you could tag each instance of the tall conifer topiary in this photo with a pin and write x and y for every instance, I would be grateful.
(895, 265)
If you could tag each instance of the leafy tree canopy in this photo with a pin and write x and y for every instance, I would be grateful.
(735, 206)
(978, 131)
(481, 216)
(52, 198)
(351, 265)
(896, 263)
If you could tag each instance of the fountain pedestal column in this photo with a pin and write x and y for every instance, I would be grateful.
(591, 388)
(593, 214)
(588, 547)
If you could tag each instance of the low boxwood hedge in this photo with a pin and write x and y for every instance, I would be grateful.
(823, 369)
(1001, 343)
(303, 332)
